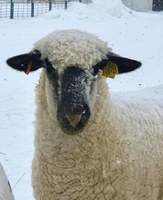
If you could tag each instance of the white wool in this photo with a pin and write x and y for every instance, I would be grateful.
(5, 190)
(119, 154)
(72, 47)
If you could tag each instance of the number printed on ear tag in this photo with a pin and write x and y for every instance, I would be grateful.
(110, 70)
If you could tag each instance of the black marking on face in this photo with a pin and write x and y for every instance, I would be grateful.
(73, 108)
(95, 71)
(53, 78)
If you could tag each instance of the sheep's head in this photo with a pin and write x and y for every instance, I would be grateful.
(72, 61)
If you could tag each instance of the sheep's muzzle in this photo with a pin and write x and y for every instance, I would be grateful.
(72, 124)
(73, 109)
(74, 120)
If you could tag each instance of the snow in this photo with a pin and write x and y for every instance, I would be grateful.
(131, 34)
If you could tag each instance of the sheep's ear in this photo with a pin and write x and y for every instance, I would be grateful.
(26, 62)
(115, 64)
(124, 64)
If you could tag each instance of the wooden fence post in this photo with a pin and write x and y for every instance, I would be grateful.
(50, 5)
(65, 4)
(32, 8)
(11, 9)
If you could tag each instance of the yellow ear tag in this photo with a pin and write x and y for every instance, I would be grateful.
(110, 70)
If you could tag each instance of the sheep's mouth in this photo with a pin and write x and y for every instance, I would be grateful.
(72, 124)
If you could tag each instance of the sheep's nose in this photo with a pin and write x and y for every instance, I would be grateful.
(74, 119)
(76, 108)
(73, 106)
(74, 114)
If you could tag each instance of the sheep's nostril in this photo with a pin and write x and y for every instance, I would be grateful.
(74, 119)
(76, 109)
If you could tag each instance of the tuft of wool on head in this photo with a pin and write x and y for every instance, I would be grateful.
(71, 48)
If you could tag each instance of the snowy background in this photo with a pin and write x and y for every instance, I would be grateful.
(131, 34)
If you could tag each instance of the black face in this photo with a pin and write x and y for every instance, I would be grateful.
(72, 91)
(72, 102)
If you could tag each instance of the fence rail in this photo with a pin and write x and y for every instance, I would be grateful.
(29, 8)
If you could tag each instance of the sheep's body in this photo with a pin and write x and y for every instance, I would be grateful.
(118, 154)
(5, 190)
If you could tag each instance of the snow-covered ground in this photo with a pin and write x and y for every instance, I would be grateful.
(131, 34)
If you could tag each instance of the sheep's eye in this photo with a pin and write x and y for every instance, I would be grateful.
(49, 66)
(95, 71)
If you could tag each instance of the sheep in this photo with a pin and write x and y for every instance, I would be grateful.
(88, 144)
(5, 189)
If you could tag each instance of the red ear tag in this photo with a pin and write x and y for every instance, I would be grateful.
(29, 67)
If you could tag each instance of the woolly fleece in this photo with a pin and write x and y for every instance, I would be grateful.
(5, 190)
(119, 154)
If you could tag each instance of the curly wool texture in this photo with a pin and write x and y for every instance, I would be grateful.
(77, 48)
(119, 154)
(5, 190)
